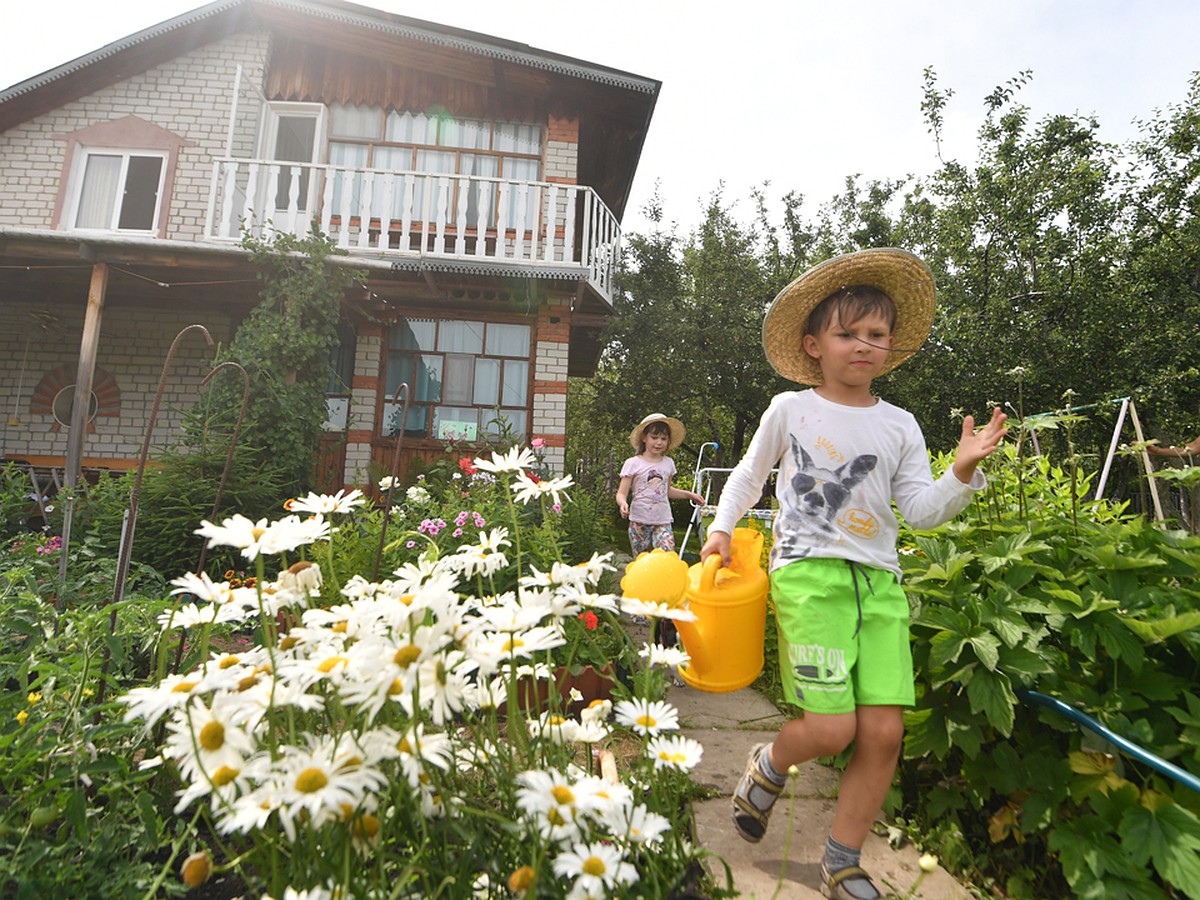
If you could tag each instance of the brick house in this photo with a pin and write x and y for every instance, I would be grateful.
(480, 182)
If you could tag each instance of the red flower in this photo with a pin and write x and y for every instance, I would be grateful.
(467, 466)
(533, 477)
(590, 620)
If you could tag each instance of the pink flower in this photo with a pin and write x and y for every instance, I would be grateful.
(537, 443)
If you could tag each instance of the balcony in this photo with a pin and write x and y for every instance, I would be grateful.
(486, 224)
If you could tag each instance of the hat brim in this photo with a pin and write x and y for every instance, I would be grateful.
(677, 430)
(898, 273)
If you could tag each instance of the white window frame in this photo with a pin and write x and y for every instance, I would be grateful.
(273, 111)
(77, 180)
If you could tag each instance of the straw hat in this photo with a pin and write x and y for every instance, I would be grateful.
(677, 430)
(898, 273)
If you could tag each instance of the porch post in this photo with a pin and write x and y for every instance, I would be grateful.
(82, 402)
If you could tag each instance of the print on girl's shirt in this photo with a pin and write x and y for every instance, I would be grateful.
(653, 489)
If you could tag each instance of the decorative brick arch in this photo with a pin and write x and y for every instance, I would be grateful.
(104, 387)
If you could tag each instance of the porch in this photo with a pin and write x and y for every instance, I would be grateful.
(409, 215)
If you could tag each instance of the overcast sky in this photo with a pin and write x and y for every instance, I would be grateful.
(794, 92)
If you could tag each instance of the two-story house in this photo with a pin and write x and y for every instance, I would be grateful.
(479, 181)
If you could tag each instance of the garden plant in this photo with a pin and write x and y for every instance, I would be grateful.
(326, 732)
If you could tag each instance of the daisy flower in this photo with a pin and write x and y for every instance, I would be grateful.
(596, 868)
(321, 781)
(326, 504)
(631, 606)
(516, 459)
(526, 489)
(675, 752)
(151, 703)
(638, 825)
(658, 655)
(647, 716)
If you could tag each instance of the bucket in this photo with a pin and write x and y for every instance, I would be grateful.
(725, 642)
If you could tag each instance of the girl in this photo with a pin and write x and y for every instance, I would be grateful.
(645, 492)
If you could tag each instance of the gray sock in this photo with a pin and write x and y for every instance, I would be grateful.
(838, 856)
(764, 766)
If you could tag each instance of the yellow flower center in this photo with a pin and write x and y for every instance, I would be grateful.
(673, 758)
(228, 662)
(248, 682)
(594, 865)
(406, 656)
(554, 817)
(212, 736)
(562, 794)
(513, 644)
(288, 643)
(256, 533)
(297, 568)
(406, 599)
(332, 663)
(339, 627)
(311, 780)
(350, 762)
(647, 721)
(396, 688)
(224, 775)
(404, 746)
(184, 687)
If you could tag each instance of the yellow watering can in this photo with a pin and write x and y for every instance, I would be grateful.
(725, 642)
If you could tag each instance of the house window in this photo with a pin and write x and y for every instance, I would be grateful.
(467, 379)
(340, 380)
(394, 141)
(119, 190)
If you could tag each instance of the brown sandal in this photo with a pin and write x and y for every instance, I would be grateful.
(831, 883)
(751, 820)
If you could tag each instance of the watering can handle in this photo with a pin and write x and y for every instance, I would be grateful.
(708, 572)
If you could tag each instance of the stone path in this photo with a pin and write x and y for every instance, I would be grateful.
(728, 725)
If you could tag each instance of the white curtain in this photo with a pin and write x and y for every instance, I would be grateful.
(101, 177)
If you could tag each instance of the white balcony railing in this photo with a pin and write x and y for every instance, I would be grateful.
(420, 214)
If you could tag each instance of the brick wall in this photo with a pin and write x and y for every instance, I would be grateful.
(190, 97)
(134, 361)
(550, 382)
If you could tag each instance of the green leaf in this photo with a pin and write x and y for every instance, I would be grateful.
(945, 648)
(149, 815)
(1168, 835)
(1156, 630)
(992, 694)
(987, 649)
(926, 733)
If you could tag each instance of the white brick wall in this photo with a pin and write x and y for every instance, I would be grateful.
(190, 97)
(562, 160)
(134, 360)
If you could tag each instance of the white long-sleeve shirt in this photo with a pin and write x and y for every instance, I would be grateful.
(840, 468)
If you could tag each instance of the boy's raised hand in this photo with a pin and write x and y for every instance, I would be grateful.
(976, 445)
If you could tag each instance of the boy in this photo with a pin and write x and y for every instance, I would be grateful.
(844, 456)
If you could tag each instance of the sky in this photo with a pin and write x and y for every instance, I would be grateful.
(795, 94)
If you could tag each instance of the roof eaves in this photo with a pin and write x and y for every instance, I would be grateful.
(427, 32)
(478, 44)
(82, 62)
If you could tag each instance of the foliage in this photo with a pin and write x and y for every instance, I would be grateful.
(1036, 590)
(284, 346)
(70, 790)
(16, 504)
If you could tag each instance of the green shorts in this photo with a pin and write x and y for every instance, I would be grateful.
(843, 636)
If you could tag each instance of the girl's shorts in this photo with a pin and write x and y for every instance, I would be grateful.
(644, 538)
(843, 636)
